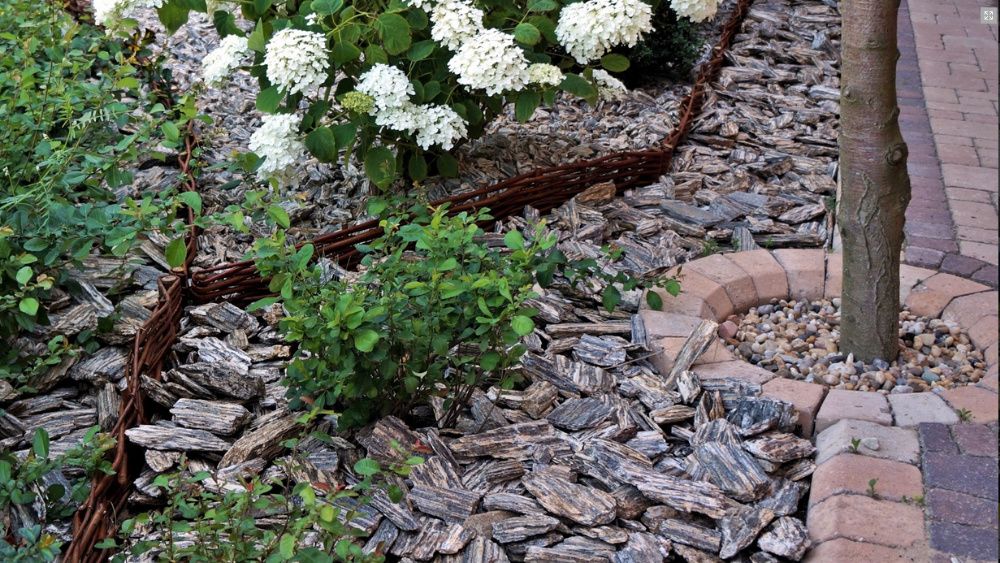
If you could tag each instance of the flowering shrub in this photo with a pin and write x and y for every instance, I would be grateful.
(399, 84)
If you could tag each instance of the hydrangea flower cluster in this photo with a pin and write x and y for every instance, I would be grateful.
(695, 10)
(277, 142)
(227, 57)
(455, 22)
(390, 89)
(110, 13)
(608, 87)
(545, 74)
(492, 62)
(588, 30)
(297, 60)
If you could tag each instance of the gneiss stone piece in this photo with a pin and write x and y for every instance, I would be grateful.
(583, 505)
(787, 537)
(779, 447)
(691, 534)
(740, 527)
(451, 505)
(173, 438)
(520, 528)
(579, 414)
(511, 442)
(217, 417)
(733, 470)
(263, 441)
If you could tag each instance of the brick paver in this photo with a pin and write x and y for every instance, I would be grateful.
(911, 409)
(806, 397)
(856, 405)
(947, 90)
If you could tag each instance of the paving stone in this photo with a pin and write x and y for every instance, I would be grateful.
(960, 265)
(769, 278)
(805, 270)
(737, 369)
(738, 285)
(984, 331)
(806, 397)
(660, 324)
(897, 444)
(834, 275)
(975, 439)
(685, 304)
(936, 437)
(969, 309)
(712, 293)
(924, 257)
(972, 475)
(959, 508)
(990, 380)
(671, 346)
(864, 519)
(930, 297)
(981, 403)
(841, 550)
(987, 275)
(964, 541)
(910, 409)
(850, 473)
(856, 405)
(910, 276)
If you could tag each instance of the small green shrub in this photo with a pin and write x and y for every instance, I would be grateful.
(669, 51)
(435, 312)
(21, 482)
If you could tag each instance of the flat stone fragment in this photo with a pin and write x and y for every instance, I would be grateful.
(264, 441)
(693, 555)
(753, 415)
(784, 497)
(217, 417)
(579, 414)
(805, 397)
(779, 447)
(910, 409)
(520, 528)
(483, 549)
(450, 505)
(733, 469)
(583, 505)
(683, 494)
(225, 378)
(512, 503)
(740, 528)
(643, 548)
(787, 537)
(687, 533)
(567, 375)
(898, 444)
(176, 439)
(516, 441)
(857, 405)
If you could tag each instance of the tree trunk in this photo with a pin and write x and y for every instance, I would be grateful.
(876, 187)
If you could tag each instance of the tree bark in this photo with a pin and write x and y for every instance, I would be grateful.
(876, 187)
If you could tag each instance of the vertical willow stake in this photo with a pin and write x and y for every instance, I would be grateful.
(875, 184)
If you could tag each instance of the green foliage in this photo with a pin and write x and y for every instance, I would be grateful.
(670, 51)
(308, 521)
(22, 483)
(73, 120)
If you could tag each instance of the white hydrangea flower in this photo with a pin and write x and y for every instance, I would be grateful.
(227, 57)
(404, 117)
(545, 74)
(490, 61)
(695, 10)
(588, 30)
(419, 4)
(608, 87)
(387, 85)
(297, 60)
(441, 126)
(109, 13)
(455, 22)
(277, 142)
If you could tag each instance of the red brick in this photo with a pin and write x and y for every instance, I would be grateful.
(981, 403)
(850, 473)
(968, 194)
(834, 275)
(670, 346)
(806, 397)
(855, 405)
(737, 283)
(805, 270)
(968, 309)
(935, 293)
(685, 304)
(979, 250)
(711, 292)
(864, 519)
(956, 154)
(737, 370)
(769, 279)
(974, 214)
(659, 324)
(843, 550)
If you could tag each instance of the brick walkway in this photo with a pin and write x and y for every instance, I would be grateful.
(947, 86)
